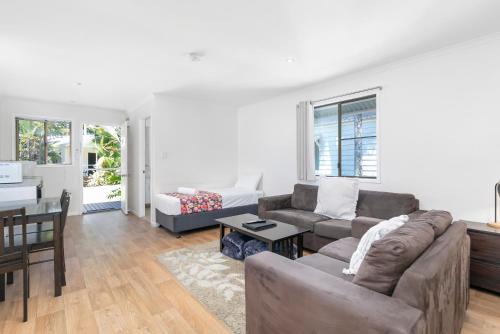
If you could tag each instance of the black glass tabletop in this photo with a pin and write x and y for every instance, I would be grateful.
(278, 232)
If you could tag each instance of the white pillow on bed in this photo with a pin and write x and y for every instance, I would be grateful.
(250, 181)
(186, 190)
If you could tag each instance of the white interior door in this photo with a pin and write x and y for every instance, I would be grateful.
(124, 169)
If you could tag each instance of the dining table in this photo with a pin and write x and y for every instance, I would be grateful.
(39, 210)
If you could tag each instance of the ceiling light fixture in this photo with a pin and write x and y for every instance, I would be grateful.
(195, 56)
(79, 83)
(291, 60)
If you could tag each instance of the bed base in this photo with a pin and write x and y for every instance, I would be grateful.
(183, 223)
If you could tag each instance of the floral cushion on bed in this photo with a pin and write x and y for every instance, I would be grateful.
(200, 202)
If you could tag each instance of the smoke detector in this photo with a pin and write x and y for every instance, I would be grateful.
(195, 56)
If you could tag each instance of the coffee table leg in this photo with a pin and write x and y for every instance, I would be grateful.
(2, 287)
(271, 246)
(300, 245)
(221, 236)
(290, 248)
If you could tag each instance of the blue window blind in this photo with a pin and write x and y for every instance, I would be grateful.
(345, 138)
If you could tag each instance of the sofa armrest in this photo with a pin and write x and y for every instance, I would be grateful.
(283, 296)
(274, 203)
(362, 224)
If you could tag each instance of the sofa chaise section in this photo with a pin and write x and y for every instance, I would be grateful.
(312, 295)
(283, 296)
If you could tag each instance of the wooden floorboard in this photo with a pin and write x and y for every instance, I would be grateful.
(115, 285)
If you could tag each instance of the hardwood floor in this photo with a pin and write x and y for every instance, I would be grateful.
(115, 285)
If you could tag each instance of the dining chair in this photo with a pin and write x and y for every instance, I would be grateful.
(46, 226)
(14, 257)
(40, 237)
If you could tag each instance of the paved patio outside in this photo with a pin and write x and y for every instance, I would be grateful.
(99, 194)
(95, 199)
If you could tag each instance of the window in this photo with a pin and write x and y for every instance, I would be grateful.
(345, 138)
(46, 142)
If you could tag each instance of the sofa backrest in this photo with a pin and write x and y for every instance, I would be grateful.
(437, 282)
(304, 197)
(385, 205)
(377, 204)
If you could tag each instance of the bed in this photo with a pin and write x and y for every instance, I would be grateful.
(242, 198)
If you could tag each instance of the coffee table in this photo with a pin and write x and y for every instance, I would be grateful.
(282, 233)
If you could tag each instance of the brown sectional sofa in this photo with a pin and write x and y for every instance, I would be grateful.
(298, 209)
(429, 295)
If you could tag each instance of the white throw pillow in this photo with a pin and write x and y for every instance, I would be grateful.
(375, 233)
(337, 197)
(250, 181)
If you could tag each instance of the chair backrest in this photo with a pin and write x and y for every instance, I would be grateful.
(65, 200)
(8, 219)
(63, 195)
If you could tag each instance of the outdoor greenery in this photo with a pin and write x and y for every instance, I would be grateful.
(49, 142)
(46, 142)
(107, 144)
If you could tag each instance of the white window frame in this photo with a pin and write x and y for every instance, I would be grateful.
(378, 99)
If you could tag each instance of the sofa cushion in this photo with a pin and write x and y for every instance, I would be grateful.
(375, 233)
(385, 205)
(438, 281)
(304, 197)
(390, 256)
(326, 264)
(296, 217)
(341, 249)
(416, 214)
(360, 225)
(333, 228)
(438, 220)
(314, 242)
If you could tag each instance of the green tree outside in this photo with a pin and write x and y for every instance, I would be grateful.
(107, 142)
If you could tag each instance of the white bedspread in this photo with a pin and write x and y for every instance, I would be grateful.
(231, 197)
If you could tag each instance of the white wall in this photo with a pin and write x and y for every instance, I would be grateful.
(194, 144)
(55, 178)
(439, 127)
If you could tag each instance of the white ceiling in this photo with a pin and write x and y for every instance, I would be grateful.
(123, 50)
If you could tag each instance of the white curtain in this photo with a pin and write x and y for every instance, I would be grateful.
(305, 141)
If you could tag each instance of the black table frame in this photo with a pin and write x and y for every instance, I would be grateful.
(55, 217)
(288, 240)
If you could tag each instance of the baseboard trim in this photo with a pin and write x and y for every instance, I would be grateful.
(135, 213)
